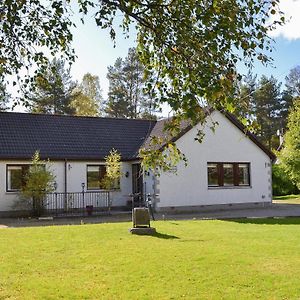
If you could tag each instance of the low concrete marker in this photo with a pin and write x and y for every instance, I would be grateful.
(141, 222)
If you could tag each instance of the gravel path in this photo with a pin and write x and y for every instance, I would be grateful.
(275, 210)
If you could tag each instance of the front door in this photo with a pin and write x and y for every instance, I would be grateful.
(137, 184)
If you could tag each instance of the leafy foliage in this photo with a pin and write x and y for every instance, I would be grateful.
(113, 174)
(88, 98)
(290, 154)
(38, 182)
(243, 101)
(161, 156)
(281, 182)
(52, 90)
(189, 48)
(29, 30)
(4, 96)
(192, 46)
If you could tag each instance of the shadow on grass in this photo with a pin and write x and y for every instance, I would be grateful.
(267, 221)
(165, 236)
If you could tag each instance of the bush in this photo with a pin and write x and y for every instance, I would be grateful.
(38, 182)
(282, 184)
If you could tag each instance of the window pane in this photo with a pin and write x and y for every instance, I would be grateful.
(93, 181)
(228, 174)
(14, 178)
(102, 172)
(243, 174)
(95, 175)
(212, 174)
(93, 169)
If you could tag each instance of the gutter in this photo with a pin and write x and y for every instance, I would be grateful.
(65, 176)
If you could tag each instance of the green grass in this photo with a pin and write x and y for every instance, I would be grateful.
(237, 259)
(288, 199)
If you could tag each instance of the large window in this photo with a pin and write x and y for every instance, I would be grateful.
(228, 174)
(15, 177)
(95, 175)
(95, 178)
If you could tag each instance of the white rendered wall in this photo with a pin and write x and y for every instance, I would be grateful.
(228, 144)
(76, 175)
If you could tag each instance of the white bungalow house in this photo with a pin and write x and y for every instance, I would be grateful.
(229, 168)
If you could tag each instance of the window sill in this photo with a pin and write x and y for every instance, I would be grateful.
(229, 187)
(103, 190)
(12, 192)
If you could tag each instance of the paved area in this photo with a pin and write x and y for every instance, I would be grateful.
(275, 210)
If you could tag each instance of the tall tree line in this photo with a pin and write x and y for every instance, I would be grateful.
(266, 104)
(263, 101)
(54, 92)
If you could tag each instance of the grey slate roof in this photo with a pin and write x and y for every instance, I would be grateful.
(84, 138)
(68, 137)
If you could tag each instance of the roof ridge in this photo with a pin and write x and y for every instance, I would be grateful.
(73, 116)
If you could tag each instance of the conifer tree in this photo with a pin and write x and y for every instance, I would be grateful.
(268, 101)
(53, 90)
(126, 97)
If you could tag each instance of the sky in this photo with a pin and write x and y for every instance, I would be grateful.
(95, 50)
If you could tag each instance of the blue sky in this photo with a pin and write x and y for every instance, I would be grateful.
(95, 50)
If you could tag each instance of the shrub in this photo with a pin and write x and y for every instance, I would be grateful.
(282, 183)
(111, 180)
(38, 182)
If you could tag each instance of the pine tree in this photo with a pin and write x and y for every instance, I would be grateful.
(126, 97)
(268, 102)
(53, 90)
(117, 105)
(286, 103)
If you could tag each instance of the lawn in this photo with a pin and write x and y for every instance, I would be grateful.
(237, 259)
(289, 199)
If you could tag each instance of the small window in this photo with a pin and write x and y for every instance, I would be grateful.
(228, 177)
(243, 174)
(15, 177)
(228, 174)
(212, 173)
(95, 175)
